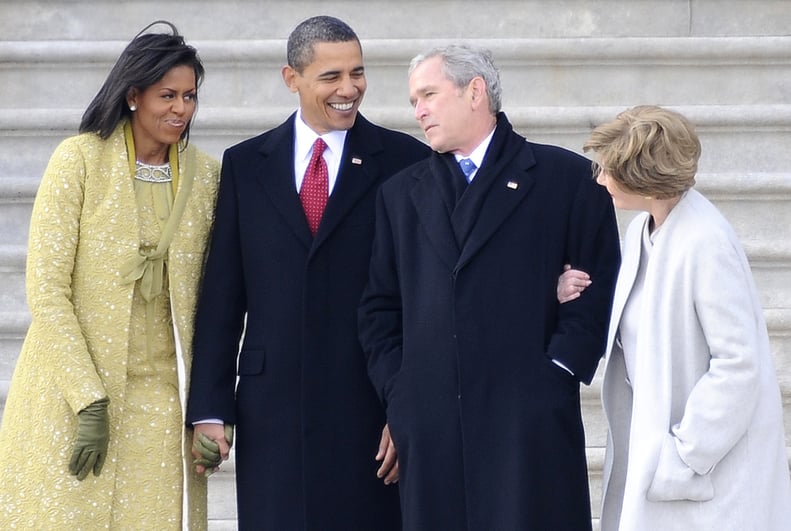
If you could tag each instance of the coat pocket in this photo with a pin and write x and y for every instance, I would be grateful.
(251, 362)
(674, 480)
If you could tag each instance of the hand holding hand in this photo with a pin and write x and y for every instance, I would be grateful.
(572, 283)
(90, 444)
(211, 444)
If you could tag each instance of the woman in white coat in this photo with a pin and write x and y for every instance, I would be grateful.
(695, 419)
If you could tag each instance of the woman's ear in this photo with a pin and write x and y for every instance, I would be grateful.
(131, 99)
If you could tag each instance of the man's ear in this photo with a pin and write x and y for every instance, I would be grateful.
(290, 78)
(477, 91)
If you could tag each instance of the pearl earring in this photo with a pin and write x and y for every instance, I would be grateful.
(133, 108)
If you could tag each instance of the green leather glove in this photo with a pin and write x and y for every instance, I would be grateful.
(90, 445)
(209, 450)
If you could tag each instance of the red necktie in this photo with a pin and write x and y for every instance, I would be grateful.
(315, 187)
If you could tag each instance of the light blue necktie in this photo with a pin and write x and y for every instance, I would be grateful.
(467, 167)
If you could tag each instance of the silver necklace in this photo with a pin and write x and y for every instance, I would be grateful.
(153, 173)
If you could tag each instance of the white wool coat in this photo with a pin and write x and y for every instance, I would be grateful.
(696, 442)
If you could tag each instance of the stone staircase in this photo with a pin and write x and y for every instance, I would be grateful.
(566, 66)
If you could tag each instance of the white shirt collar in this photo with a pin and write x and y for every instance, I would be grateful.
(478, 153)
(304, 137)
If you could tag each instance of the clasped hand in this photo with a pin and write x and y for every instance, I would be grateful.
(211, 444)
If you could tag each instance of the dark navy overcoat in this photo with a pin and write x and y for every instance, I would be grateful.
(307, 418)
(461, 324)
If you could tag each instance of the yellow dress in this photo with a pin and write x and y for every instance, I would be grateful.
(93, 335)
(148, 470)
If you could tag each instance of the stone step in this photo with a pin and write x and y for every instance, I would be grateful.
(769, 261)
(736, 138)
(507, 19)
(13, 325)
(539, 72)
(744, 147)
(222, 496)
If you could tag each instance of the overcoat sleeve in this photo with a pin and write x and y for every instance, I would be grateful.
(52, 249)
(380, 321)
(220, 314)
(593, 247)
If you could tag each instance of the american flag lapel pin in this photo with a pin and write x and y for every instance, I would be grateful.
(357, 161)
(512, 185)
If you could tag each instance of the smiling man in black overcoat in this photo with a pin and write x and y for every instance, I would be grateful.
(308, 422)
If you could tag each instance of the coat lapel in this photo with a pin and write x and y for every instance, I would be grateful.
(510, 181)
(358, 172)
(432, 211)
(626, 276)
(276, 175)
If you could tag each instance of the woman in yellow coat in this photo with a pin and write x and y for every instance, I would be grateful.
(92, 434)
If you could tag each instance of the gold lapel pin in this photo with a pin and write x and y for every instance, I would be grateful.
(355, 160)
(512, 185)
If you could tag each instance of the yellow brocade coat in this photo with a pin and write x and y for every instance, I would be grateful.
(84, 227)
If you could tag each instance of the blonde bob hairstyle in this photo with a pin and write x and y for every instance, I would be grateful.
(648, 151)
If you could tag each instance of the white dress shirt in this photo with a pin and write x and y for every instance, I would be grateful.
(304, 137)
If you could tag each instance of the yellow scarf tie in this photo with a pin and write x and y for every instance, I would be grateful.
(148, 266)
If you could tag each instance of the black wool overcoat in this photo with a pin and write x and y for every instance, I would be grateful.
(460, 323)
(308, 421)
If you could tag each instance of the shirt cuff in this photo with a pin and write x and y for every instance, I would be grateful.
(213, 421)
